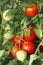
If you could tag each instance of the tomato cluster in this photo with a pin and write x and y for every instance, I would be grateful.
(22, 49)
(25, 46)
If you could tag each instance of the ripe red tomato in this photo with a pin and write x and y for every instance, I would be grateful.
(32, 10)
(41, 48)
(32, 35)
(29, 47)
(17, 40)
(42, 27)
(14, 51)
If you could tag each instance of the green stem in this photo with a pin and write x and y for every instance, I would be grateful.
(38, 47)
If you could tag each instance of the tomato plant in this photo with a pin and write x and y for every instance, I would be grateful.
(14, 51)
(29, 47)
(32, 10)
(32, 35)
(20, 25)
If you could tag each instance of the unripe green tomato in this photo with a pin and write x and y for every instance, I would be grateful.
(21, 55)
(7, 17)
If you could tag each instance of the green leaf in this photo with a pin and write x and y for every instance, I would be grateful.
(13, 62)
(1, 52)
(32, 58)
(7, 35)
(37, 62)
(27, 31)
(9, 14)
(41, 55)
(3, 1)
(24, 22)
(38, 32)
(26, 62)
(25, 4)
(40, 16)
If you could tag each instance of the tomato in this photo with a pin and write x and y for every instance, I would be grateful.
(14, 51)
(41, 48)
(32, 10)
(7, 17)
(29, 47)
(42, 27)
(17, 40)
(32, 35)
(21, 55)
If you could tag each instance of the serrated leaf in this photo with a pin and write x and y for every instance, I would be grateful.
(1, 52)
(38, 32)
(32, 58)
(27, 31)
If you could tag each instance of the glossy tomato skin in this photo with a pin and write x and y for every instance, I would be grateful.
(14, 50)
(29, 47)
(31, 11)
(32, 35)
(17, 40)
(41, 48)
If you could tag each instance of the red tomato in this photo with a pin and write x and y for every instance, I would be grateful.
(41, 48)
(14, 51)
(32, 35)
(42, 27)
(17, 40)
(29, 47)
(32, 10)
